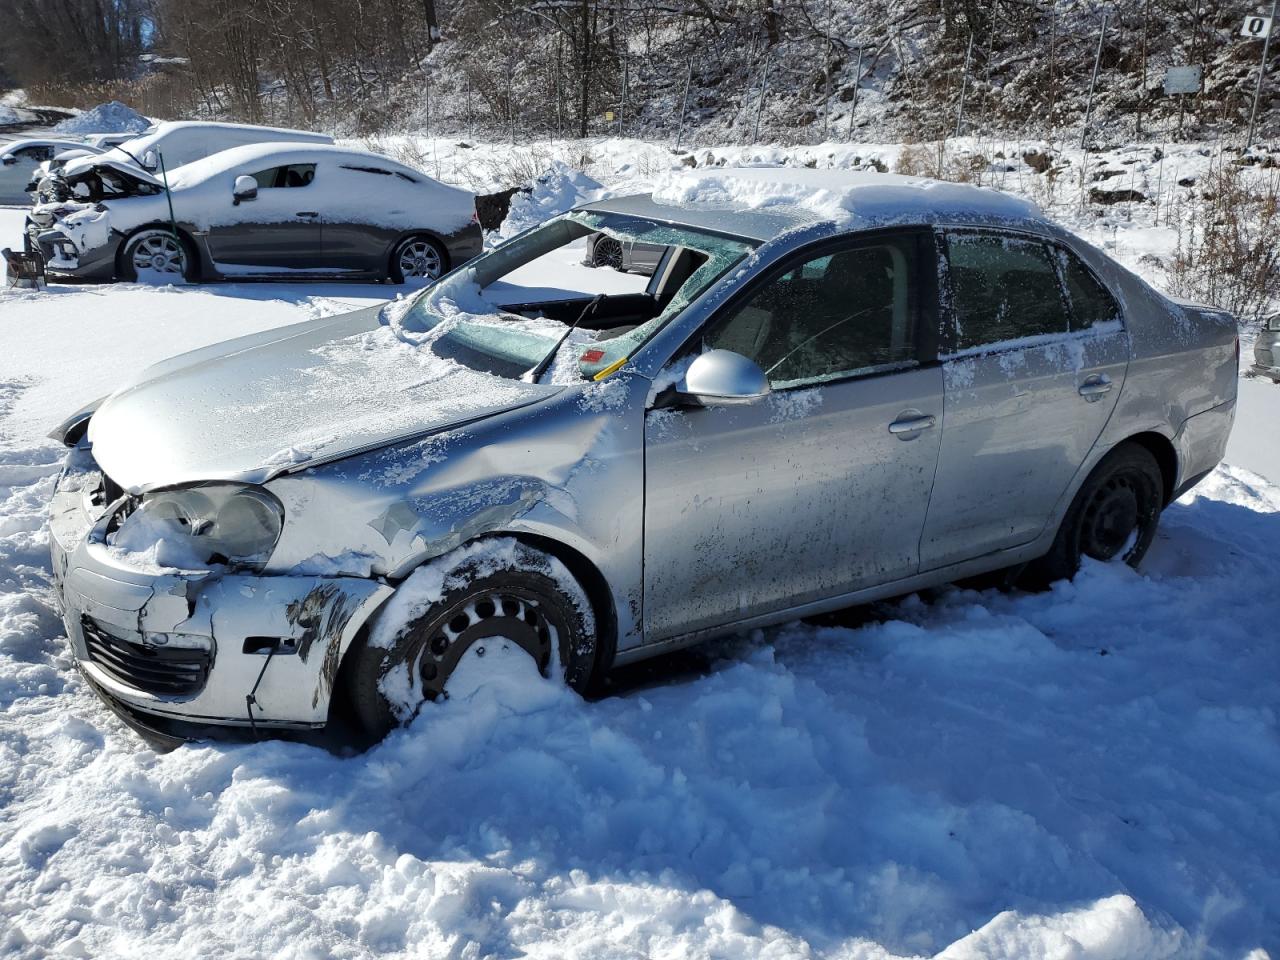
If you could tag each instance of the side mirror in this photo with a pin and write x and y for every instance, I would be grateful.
(246, 188)
(150, 160)
(721, 377)
(8, 159)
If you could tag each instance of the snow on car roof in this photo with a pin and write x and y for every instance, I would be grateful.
(759, 202)
(280, 154)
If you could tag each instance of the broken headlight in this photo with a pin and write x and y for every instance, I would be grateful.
(195, 527)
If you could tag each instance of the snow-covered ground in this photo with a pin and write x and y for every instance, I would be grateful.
(1092, 772)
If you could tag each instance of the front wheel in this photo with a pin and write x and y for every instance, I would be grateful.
(417, 258)
(157, 252)
(1112, 518)
(485, 609)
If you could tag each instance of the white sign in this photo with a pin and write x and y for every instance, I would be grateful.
(1181, 80)
(1256, 28)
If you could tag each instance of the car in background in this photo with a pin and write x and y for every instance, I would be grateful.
(537, 465)
(629, 256)
(181, 142)
(105, 141)
(259, 211)
(19, 160)
(1266, 350)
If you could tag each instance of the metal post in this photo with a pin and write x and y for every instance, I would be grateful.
(173, 222)
(1262, 69)
(964, 84)
(684, 103)
(1093, 81)
(857, 85)
(764, 85)
(826, 90)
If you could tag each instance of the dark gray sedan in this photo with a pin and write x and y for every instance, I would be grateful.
(260, 211)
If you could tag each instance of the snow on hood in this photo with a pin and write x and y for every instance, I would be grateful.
(846, 198)
(112, 117)
(254, 407)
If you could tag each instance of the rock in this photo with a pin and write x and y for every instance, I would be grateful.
(1037, 161)
(1115, 196)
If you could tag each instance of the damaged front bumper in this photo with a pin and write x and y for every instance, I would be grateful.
(61, 254)
(200, 647)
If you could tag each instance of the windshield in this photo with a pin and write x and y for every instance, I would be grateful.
(504, 312)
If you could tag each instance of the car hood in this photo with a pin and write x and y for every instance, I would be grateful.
(252, 408)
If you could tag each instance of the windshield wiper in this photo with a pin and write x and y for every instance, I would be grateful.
(538, 369)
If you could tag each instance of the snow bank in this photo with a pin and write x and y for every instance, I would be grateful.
(559, 189)
(113, 117)
(9, 115)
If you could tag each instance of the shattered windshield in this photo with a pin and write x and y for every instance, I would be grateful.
(618, 278)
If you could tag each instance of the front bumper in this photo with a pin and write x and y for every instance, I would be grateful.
(192, 646)
(61, 256)
(1259, 370)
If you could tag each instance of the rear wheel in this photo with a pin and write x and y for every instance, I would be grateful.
(417, 258)
(502, 603)
(156, 251)
(1112, 518)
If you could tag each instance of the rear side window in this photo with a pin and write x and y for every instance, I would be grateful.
(1003, 288)
(1091, 303)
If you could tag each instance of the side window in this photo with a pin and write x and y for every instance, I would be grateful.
(1090, 301)
(1003, 288)
(832, 316)
(294, 175)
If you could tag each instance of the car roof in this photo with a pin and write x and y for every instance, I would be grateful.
(282, 154)
(761, 202)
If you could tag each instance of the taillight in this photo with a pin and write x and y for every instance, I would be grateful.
(1237, 353)
(475, 216)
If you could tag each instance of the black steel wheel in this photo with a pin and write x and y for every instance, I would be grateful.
(484, 615)
(1113, 517)
(607, 252)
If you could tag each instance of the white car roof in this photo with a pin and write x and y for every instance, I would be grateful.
(282, 154)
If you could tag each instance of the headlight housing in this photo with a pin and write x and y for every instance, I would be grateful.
(197, 527)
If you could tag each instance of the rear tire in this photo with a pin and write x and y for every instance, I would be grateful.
(417, 258)
(607, 252)
(504, 600)
(1113, 517)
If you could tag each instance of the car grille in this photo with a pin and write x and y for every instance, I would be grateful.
(166, 671)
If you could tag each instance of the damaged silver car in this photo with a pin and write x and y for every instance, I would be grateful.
(535, 461)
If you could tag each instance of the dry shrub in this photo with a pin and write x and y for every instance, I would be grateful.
(1226, 252)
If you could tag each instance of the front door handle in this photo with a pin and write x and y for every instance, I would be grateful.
(308, 213)
(910, 424)
(1096, 387)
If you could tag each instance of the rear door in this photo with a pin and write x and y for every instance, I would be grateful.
(822, 487)
(1035, 352)
(278, 231)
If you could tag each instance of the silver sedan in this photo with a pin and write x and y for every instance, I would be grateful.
(537, 462)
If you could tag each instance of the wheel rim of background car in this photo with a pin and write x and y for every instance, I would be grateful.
(420, 258)
(159, 252)
(608, 253)
(512, 614)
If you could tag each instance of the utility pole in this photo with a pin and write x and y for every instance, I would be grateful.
(1262, 69)
(1093, 81)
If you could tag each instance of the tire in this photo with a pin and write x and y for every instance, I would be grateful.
(417, 258)
(607, 252)
(1113, 517)
(167, 254)
(499, 596)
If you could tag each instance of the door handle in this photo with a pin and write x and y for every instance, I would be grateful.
(1095, 388)
(908, 427)
(307, 213)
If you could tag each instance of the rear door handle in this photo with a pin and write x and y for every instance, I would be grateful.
(1095, 388)
(909, 427)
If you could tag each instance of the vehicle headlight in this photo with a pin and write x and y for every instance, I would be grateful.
(232, 524)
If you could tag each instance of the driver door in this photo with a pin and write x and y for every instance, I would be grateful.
(822, 487)
(277, 231)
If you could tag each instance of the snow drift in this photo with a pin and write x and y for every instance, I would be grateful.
(112, 117)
